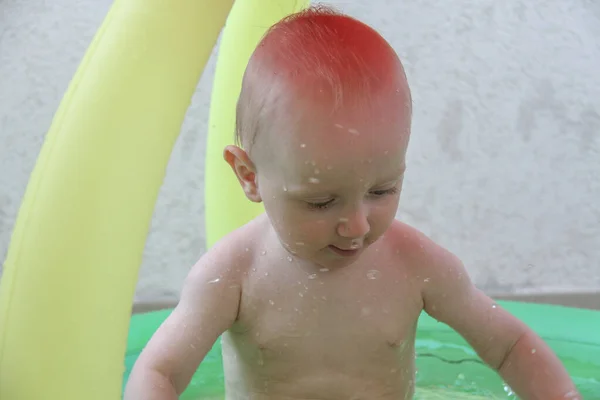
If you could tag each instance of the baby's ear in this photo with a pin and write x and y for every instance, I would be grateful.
(245, 171)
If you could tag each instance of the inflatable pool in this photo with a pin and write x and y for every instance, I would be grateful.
(447, 366)
(72, 265)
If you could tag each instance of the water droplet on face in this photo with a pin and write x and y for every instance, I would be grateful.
(247, 249)
(340, 126)
(289, 258)
(343, 219)
(533, 351)
(299, 243)
(302, 145)
(324, 269)
(262, 253)
(324, 297)
(313, 180)
(312, 276)
(300, 294)
(426, 280)
(271, 302)
(285, 189)
(508, 390)
(353, 131)
(373, 274)
(494, 306)
(214, 280)
(329, 167)
(266, 274)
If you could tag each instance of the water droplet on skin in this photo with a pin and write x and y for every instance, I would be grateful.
(324, 269)
(353, 131)
(373, 274)
(340, 126)
(312, 276)
(271, 302)
(329, 167)
(214, 280)
(285, 189)
(299, 243)
(426, 280)
(289, 258)
(313, 180)
(247, 249)
(192, 346)
(494, 306)
(300, 294)
(533, 351)
(302, 145)
(253, 269)
(262, 253)
(266, 274)
(508, 390)
(343, 219)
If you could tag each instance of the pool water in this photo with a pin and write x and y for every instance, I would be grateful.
(447, 367)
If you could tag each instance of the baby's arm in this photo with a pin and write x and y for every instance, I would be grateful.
(505, 343)
(208, 306)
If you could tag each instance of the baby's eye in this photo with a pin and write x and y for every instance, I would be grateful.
(393, 190)
(321, 205)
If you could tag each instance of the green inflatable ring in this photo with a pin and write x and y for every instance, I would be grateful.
(447, 366)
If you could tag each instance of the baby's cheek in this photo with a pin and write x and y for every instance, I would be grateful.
(384, 213)
(313, 228)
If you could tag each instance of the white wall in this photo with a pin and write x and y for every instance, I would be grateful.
(504, 162)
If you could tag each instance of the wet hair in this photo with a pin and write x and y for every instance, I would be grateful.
(317, 50)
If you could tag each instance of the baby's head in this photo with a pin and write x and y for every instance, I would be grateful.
(323, 124)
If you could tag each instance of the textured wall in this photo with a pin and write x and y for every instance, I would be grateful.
(504, 164)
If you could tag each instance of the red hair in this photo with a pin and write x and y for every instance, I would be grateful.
(314, 48)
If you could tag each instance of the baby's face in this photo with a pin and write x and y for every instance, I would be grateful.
(332, 184)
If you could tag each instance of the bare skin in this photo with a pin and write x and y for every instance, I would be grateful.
(319, 297)
(301, 333)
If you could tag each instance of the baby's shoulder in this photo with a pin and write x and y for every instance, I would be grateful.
(415, 248)
(233, 253)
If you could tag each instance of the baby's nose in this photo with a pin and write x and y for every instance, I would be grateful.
(354, 226)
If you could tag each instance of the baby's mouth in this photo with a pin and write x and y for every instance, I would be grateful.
(349, 252)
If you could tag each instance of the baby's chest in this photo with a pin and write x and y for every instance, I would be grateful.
(316, 323)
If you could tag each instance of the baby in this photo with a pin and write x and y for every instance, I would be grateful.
(319, 297)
